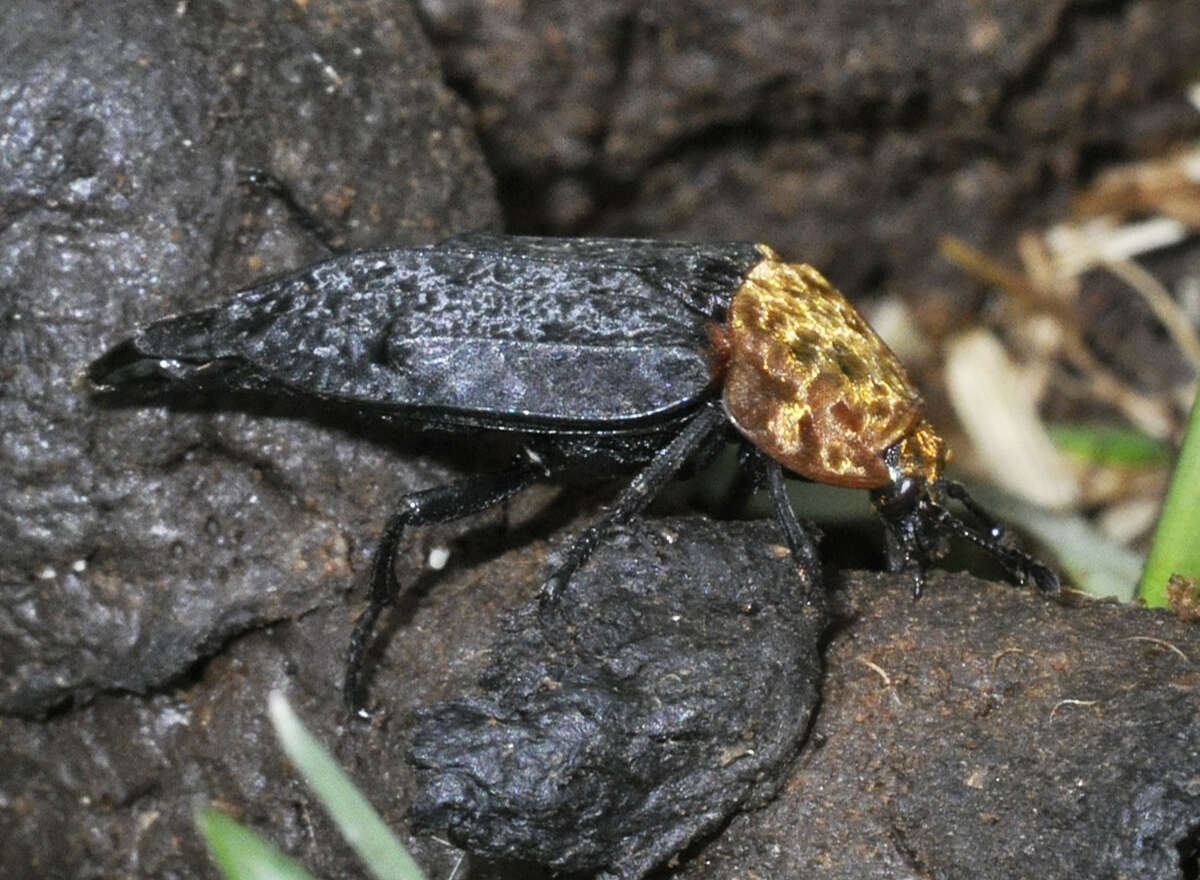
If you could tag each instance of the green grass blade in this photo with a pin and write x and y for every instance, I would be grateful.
(1113, 445)
(383, 855)
(1176, 547)
(240, 853)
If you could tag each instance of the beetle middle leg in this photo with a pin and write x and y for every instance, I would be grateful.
(437, 505)
(639, 493)
(799, 536)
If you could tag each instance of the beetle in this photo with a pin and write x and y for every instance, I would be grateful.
(607, 355)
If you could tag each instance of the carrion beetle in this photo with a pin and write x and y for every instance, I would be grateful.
(615, 355)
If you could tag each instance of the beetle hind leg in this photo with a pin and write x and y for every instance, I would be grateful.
(265, 181)
(437, 505)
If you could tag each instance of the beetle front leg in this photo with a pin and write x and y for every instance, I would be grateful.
(634, 498)
(437, 505)
(905, 551)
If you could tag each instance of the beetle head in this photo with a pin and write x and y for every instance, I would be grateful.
(918, 524)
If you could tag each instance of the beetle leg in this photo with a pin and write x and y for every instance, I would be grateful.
(1022, 566)
(799, 536)
(440, 504)
(749, 479)
(634, 498)
(904, 547)
(260, 178)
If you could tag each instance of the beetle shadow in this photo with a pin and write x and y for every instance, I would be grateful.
(457, 447)
(484, 538)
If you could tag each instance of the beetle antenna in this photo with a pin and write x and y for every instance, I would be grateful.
(958, 492)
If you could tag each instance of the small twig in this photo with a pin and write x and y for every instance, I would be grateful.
(1160, 301)
(1071, 703)
(1000, 655)
(1160, 642)
(1035, 298)
(887, 681)
(888, 684)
